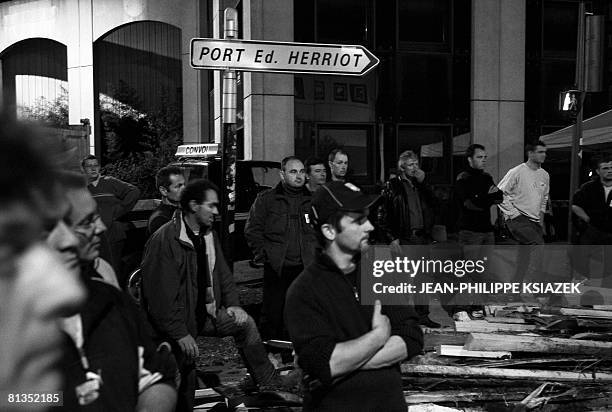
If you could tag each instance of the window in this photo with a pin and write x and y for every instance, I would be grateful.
(424, 88)
(560, 21)
(424, 22)
(433, 146)
(356, 140)
(342, 21)
(304, 21)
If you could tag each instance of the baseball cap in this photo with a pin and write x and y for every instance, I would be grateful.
(338, 196)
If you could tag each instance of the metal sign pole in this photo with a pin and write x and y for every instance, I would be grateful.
(229, 142)
(580, 83)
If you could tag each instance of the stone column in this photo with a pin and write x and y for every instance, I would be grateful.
(195, 100)
(498, 81)
(269, 123)
(80, 69)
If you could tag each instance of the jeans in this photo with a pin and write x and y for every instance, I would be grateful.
(275, 288)
(600, 243)
(248, 342)
(421, 301)
(468, 237)
(526, 232)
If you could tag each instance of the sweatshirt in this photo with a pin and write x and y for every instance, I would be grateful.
(525, 192)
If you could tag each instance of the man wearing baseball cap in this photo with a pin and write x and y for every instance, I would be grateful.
(349, 353)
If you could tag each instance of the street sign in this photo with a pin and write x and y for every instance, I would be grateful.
(197, 150)
(281, 57)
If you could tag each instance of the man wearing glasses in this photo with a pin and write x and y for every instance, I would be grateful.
(111, 362)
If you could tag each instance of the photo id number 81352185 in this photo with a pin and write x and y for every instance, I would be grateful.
(39, 398)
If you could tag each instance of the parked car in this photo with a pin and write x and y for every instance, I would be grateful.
(204, 161)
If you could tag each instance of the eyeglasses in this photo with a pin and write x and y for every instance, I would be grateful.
(87, 223)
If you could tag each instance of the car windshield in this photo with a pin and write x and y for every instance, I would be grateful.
(266, 176)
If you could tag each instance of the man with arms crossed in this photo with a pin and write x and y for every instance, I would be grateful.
(349, 353)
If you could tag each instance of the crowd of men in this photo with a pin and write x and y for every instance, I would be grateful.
(67, 324)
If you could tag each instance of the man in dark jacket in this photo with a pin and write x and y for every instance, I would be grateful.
(115, 198)
(188, 290)
(350, 353)
(474, 194)
(279, 233)
(592, 203)
(170, 182)
(111, 363)
(406, 216)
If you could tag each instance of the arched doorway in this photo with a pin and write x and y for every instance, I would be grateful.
(138, 97)
(35, 80)
(137, 70)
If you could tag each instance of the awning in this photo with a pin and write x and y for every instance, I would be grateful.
(460, 145)
(595, 130)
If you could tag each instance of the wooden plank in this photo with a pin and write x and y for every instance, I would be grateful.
(539, 363)
(207, 394)
(490, 395)
(511, 374)
(602, 307)
(595, 324)
(515, 343)
(587, 313)
(454, 350)
(484, 326)
(505, 320)
(465, 395)
(523, 307)
(432, 407)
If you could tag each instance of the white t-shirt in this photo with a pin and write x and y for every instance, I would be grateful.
(607, 190)
(209, 241)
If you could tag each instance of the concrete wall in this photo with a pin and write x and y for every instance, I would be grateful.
(498, 81)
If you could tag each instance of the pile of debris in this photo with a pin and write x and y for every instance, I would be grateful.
(518, 357)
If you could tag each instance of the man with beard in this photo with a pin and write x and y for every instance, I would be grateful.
(338, 165)
(592, 204)
(279, 233)
(349, 353)
(111, 362)
(170, 182)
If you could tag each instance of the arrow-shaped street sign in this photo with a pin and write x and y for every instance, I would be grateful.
(284, 57)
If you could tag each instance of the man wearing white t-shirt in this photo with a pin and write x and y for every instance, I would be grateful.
(525, 189)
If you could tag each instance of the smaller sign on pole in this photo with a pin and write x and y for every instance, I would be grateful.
(281, 57)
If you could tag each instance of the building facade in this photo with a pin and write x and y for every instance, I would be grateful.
(451, 72)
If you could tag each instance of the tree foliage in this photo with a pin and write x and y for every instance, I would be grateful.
(138, 142)
(52, 113)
